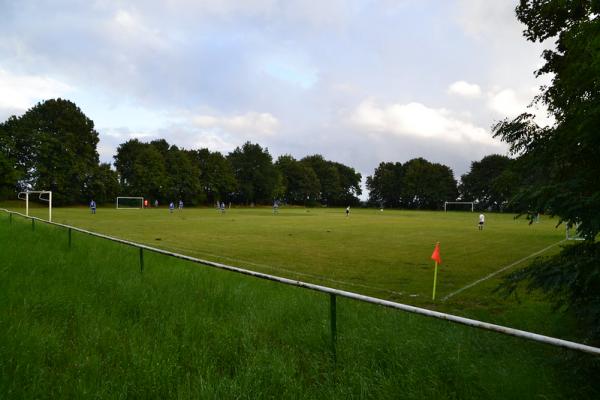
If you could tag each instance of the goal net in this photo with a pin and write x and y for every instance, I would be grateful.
(459, 206)
(130, 203)
(44, 196)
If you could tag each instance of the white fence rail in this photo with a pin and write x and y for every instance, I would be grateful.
(336, 292)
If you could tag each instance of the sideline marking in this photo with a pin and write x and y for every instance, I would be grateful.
(501, 270)
(319, 277)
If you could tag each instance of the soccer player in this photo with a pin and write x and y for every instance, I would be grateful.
(155, 203)
(222, 207)
(348, 211)
(481, 221)
(93, 206)
(181, 204)
(275, 207)
(171, 207)
(145, 203)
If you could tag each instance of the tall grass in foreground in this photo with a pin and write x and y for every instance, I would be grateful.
(84, 322)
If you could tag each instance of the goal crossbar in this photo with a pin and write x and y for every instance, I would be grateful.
(25, 196)
(141, 200)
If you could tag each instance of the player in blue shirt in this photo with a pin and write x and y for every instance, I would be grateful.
(171, 207)
(93, 206)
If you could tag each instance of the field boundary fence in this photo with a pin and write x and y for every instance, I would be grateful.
(333, 293)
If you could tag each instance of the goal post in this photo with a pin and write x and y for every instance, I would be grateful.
(41, 193)
(130, 203)
(459, 202)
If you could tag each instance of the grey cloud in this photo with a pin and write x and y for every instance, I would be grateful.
(208, 57)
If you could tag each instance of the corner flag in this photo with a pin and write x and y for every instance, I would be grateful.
(435, 256)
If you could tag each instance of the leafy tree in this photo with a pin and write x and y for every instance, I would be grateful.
(300, 182)
(561, 160)
(183, 176)
(258, 179)
(162, 146)
(488, 182)
(559, 164)
(102, 185)
(329, 177)
(217, 180)
(385, 185)
(10, 171)
(127, 154)
(142, 171)
(426, 185)
(150, 175)
(56, 144)
(349, 185)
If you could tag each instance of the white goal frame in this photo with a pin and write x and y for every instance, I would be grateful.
(130, 198)
(25, 196)
(571, 233)
(472, 203)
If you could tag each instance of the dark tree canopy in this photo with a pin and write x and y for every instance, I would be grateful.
(12, 168)
(158, 171)
(418, 184)
(489, 182)
(339, 184)
(53, 146)
(349, 184)
(300, 182)
(102, 185)
(183, 176)
(558, 166)
(217, 180)
(258, 179)
(385, 186)
(427, 185)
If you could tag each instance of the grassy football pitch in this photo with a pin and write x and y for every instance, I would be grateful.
(382, 254)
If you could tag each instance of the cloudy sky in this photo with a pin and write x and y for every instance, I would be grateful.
(359, 81)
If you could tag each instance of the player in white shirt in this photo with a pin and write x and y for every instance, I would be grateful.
(481, 221)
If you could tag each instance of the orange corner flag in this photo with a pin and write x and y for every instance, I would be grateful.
(435, 256)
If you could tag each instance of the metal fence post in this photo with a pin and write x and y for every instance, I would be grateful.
(333, 320)
(141, 260)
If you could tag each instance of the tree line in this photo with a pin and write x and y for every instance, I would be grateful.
(53, 146)
(420, 184)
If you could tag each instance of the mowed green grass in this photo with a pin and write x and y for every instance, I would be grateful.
(84, 322)
(384, 254)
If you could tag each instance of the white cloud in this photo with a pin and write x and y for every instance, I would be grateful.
(248, 124)
(417, 120)
(212, 142)
(465, 89)
(20, 92)
(509, 103)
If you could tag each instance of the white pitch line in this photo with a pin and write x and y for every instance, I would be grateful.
(322, 278)
(501, 270)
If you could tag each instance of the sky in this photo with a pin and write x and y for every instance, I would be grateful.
(358, 81)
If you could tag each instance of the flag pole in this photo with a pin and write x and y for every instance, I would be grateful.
(434, 280)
